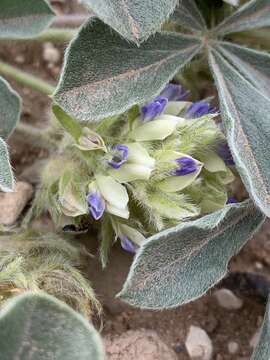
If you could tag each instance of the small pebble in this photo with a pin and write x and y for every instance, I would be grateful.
(20, 59)
(233, 347)
(258, 265)
(228, 300)
(50, 53)
(255, 339)
(198, 344)
(13, 203)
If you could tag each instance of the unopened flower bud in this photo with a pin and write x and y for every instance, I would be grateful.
(89, 140)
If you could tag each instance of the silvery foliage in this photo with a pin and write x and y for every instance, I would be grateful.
(104, 75)
(39, 327)
(18, 20)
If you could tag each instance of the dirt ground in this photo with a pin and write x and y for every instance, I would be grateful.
(222, 325)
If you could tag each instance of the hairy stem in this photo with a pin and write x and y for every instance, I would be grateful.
(62, 35)
(55, 35)
(26, 79)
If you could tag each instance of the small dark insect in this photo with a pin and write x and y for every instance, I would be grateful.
(80, 228)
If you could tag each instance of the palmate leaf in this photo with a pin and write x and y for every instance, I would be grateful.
(105, 75)
(7, 181)
(262, 351)
(39, 327)
(23, 19)
(180, 264)
(188, 15)
(246, 116)
(253, 65)
(10, 108)
(252, 15)
(134, 20)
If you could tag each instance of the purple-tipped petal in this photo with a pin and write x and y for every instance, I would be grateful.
(186, 166)
(231, 200)
(154, 108)
(128, 245)
(120, 155)
(174, 92)
(199, 109)
(96, 204)
(225, 153)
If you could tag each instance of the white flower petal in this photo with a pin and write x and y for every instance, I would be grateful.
(123, 213)
(113, 192)
(157, 129)
(175, 107)
(214, 163)
(133, 234)
(138, 154)
(177, 183)
(131, 172)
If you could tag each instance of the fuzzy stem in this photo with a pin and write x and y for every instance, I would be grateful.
(55, 35)
(26, 79)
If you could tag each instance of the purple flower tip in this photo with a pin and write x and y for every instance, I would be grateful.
(186, 166)
(225, 153)
(96, 204)
(199, 109)
(154, 108)
(232, 200)
(120, 155)
(174, 92)
(128, 245)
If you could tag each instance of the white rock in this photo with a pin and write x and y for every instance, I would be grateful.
(198, 344)
(233, 347)
(50, 53)
(255, 339)
(13, 203)
(228, 300)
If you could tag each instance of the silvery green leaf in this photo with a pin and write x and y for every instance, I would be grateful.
(253, 14)
(253, 65)
(105, 75)
(134, 20)
(39, 327)
(188, 15)
(180, 264)
(262, 350)
(24, 19)
(10, 108)
(246, 116)
(7, 181)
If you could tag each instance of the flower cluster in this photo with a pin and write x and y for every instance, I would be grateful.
(146, 170)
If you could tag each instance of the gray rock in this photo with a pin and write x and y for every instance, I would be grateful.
(137, 344)
(198, 344)
(228, 300)
(13, 203)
